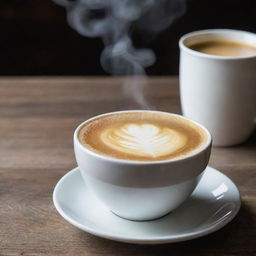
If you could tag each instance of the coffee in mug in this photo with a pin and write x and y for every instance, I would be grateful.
(141, 164)
(224, 48)
(142, 136)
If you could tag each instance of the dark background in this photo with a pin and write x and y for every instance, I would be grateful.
(36, 39)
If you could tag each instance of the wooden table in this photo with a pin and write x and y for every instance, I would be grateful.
(37, 119)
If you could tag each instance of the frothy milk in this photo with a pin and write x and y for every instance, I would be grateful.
(142, 136)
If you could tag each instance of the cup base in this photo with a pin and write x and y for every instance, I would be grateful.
(142, 219)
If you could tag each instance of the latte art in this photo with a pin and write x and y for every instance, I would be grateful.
(143, 140)
(142, 136)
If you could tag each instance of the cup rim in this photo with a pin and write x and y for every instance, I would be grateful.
(188, 50)
(204, 147)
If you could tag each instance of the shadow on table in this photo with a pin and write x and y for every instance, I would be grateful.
(237, 236)
(251, 141)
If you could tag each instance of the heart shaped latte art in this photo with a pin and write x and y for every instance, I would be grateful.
(143, 139)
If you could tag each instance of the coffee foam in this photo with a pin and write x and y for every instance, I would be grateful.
(146, 140)
(142, 136)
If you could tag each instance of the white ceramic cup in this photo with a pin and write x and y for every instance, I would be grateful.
(218, 91)
(138, 190)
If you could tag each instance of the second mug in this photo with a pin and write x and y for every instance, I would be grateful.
(218, 89)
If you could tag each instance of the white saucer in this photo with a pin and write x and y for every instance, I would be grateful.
(213, 204)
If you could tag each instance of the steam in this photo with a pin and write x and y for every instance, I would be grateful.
(113, 21)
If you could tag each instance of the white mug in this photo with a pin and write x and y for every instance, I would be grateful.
(138, 190)
(219, 91)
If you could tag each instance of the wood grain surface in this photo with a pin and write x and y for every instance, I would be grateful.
(37, 119)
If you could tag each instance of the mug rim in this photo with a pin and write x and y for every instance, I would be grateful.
(207, 144)
(217, 31)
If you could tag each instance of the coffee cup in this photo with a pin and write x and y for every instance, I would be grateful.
(141, 164)
(218, 82)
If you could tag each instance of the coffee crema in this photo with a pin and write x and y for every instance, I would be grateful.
(142, 136)
(224, 48)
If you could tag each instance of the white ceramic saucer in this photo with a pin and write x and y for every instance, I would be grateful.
(213, 204)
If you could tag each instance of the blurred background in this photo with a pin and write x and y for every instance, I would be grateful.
(36, 39)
